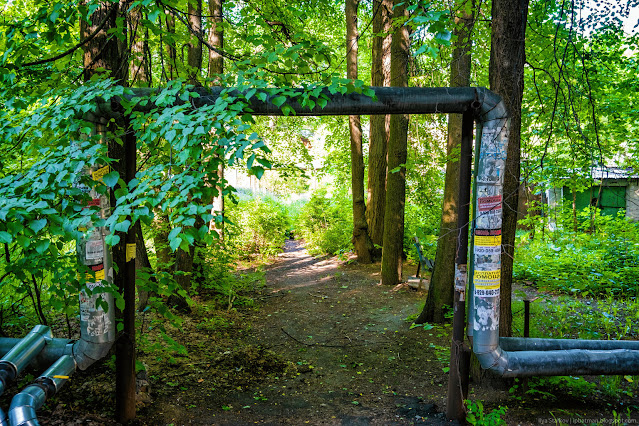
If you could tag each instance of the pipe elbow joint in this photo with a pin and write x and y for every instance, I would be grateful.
(495, 360)
(22, 411)
(86, 353)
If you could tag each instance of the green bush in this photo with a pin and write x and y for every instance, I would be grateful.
(326, 223)
(258, 226)
(605, 261)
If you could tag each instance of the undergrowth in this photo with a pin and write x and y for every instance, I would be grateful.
(600, 262)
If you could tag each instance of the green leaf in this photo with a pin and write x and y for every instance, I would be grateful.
(111, 178)
(123, 226)
(23, 241)
(175, 243)
(37, 225)
(170, 135)
(279, 100)
(119, 302)
(112, 239)
(42, 246)
(5, 237)
(174, 233)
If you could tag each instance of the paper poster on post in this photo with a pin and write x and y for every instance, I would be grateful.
(100, 173)
(489, 209)
(493, 155)
(97, 320)
(487, 245)
(487, 283)
(94, 250)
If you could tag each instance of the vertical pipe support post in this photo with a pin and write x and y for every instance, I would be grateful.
(125, 344)
(460, 358)
(526, 317)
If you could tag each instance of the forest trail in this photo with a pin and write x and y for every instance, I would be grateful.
(352, 357)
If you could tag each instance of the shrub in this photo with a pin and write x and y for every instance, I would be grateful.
(326, 223)
(605, 261)
(258, 226)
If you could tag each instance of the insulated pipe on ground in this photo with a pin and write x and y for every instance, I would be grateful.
(24, 351)
(24, 405)
(53, 349)
(535, 344)
(563, 362)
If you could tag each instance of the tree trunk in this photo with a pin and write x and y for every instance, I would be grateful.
(184, 270)
(379, 124)
(160, 233)
(361, 240)
(170, 46)
(393, 243)
(140, 69)
(574, 210)
(184, 259)
(216, 39)
(216, 67)
(142, 262)
(506, 75)
(194, 48)
(440, 292)
(105, 51)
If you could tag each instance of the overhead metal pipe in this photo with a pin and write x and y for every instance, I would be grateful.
(387, 100)
(487, 227)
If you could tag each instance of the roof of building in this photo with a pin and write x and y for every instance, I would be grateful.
(613, 173)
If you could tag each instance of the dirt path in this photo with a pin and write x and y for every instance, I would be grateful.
(356, 361)
(326, 345)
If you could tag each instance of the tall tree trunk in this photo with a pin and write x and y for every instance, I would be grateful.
(106, 52)
(379, 124)
(160, 234)
(184, 259)
(216, 67)
(216, 39)
(194, 51)
(142, 262)
(393, 243)
(506, 75)
(170, 45)
(103, 51)
(139, 75)
(361, 240)
(140, 69)
(440, 292)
